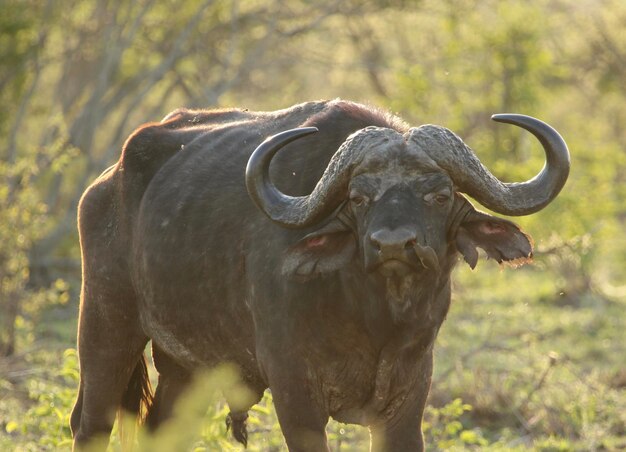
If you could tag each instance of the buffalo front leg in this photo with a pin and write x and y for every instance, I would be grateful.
(403, 431)
(405, 435)
(301, 417)
(302, 422)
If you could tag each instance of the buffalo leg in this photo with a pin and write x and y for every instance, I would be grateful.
(404, 431)
(173, 380)
(302, 421)
(110, 346)
(406, 435)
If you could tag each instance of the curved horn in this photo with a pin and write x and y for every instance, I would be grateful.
(471, 176)
(263, 192)
(303, 211)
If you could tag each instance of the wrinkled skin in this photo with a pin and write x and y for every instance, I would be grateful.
(337, 318)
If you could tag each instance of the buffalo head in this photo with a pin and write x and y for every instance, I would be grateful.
(395, 201)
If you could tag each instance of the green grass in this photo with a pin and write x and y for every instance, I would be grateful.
(515, 369)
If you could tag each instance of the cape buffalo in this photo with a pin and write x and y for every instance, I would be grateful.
(321, 272)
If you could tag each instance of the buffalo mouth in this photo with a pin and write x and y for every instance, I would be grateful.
(396, 269)
(401, 279)
(406, 279)
(418, 260)
(399, 287)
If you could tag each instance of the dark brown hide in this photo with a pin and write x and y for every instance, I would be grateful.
(337, 314)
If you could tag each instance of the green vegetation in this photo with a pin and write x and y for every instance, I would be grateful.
(529, 358)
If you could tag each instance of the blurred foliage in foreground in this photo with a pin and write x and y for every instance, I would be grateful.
(512, 372)
(528, 358)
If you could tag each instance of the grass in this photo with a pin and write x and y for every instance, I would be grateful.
(516, 368)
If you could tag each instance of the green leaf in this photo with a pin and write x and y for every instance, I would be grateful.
(11, 426)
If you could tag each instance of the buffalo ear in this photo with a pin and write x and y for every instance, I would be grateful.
(323, 251)
(502, 240)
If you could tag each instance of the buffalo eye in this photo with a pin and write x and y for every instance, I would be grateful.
(358, 200)
(439, 198)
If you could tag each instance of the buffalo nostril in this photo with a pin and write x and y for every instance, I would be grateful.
(393, 241)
